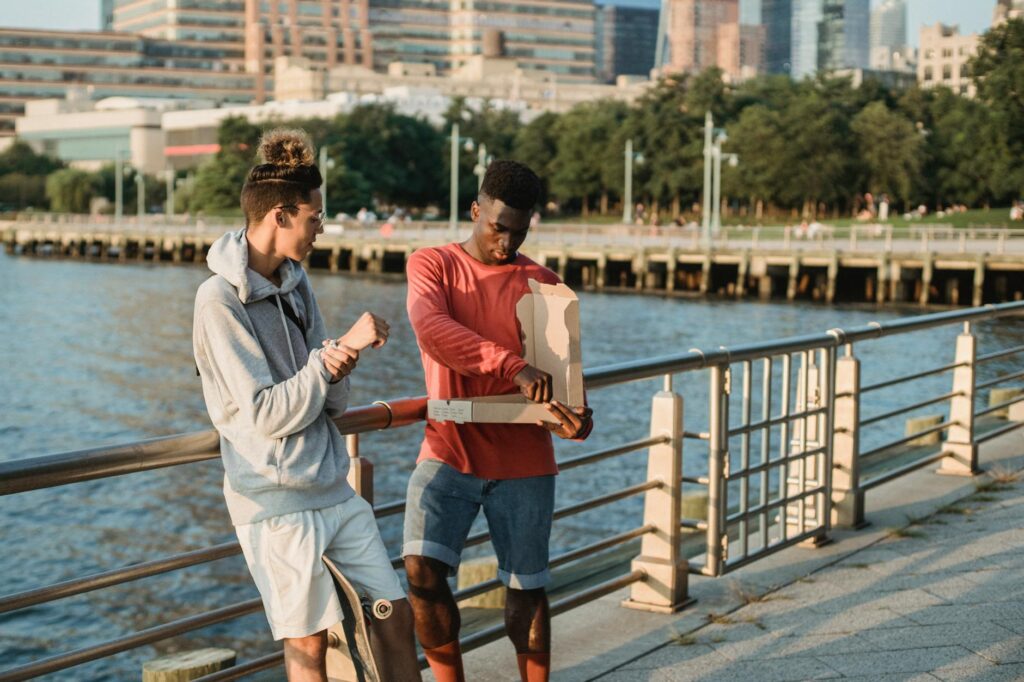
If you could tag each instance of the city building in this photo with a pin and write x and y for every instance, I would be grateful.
(1006, 10)
(750, 12)
(752, 49)
(889, 49)
(777, 20)
(844, 35)
(37, 64)
(625, 41)
(702, 34)
(943, 56)
(89, 134)
(806, 16)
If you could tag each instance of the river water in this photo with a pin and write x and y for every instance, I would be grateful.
(95, 354)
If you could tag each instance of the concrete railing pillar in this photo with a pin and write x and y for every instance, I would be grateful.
(960, 443)
(847, 500)
(360, 472)
(665, 588)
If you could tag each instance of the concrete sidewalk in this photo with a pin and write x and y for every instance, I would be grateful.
(932, 589)
(941, 599)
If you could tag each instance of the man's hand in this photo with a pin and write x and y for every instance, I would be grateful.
(534, 384)
(339, 360)
(369, 330)
(573, 421)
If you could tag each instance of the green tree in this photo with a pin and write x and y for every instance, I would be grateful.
(891, 149)
(219, 180)
(584, 165)
(998, 71)
(536, 145)
(21, 158)
(70, 190)
(759, 140)
(19, 191)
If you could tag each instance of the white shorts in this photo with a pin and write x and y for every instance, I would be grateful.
(284, 556)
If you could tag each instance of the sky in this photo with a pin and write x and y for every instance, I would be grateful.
(973, 16)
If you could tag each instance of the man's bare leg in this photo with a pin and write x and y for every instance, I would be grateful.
(393, 645)
(305, 658)
(528, 623)
(436, 616)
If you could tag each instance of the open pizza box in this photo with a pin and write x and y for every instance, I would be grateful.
(549, 316)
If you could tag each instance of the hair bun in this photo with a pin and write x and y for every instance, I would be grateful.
(287, 148)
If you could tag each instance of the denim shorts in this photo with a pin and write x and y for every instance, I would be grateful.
(443, 502)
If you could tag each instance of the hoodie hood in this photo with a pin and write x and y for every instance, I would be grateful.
(229, 258)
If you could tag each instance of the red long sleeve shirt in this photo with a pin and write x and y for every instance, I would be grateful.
(464, 316)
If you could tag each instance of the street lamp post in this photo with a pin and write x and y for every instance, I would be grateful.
(118, 185)
(705, 215)
(627, 195)
(481, 165)
(326, 164)
(453, 178)
(716, 209)
(140, 195)
(169, 178)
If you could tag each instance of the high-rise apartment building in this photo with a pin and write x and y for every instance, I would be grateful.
(777, 20)
(806, 17)
(625, 41)
(46, 64)
(702, 34)
(942, 58)
(844, 35)
(889, 47)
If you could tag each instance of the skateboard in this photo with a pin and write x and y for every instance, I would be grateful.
(353, 633)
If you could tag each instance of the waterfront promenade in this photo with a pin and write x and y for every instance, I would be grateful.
(932, 589)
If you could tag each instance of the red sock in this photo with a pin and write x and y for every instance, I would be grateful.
(534, 667)
(446, 662)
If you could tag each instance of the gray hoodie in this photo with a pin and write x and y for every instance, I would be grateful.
(266, 388)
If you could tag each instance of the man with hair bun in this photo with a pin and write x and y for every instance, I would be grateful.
(272, 382)
(461, 302)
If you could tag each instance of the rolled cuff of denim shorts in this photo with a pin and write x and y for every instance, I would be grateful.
(525, 581)
(434, 550)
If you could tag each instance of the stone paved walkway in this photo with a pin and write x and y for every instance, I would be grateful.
(940, 600)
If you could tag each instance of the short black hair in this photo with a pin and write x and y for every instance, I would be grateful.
(511, 182)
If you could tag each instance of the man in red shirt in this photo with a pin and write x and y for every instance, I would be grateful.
(462, 305)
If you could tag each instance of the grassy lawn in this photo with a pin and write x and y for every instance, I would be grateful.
(994, 217)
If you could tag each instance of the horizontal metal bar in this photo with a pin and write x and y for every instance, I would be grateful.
(566, 558)
(85, 465)
(133, 641)
(900, 471)
(389, 509)
(772, 463)
(607, 453)
(995, 433)
(910, 377)
(699, 480)
(487, 635)
(602, 500)
(998, 406)
(768, 506)
(239, 671)
(999, 380)
(775, 421)
(69, 588)
(736, 564)
(909, 408)
(906, 439)
(695, 435)
(988, 357)
(693, 525)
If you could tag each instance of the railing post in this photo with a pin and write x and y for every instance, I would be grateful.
(847, 499)
(665, 588)
(960, 444)
(360, 471)
(718, 460)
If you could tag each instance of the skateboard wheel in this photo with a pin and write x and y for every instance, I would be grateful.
(382, 609)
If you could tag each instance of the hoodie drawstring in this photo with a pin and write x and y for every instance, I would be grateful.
(287, 332)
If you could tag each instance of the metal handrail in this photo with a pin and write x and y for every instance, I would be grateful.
(999, 380)
(909, 377)
(608, 453)
(998, 354)
(906, 439)
(909, 408)
(998, 406)
(132, 641)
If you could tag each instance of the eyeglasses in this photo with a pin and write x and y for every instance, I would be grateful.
(318, 217)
